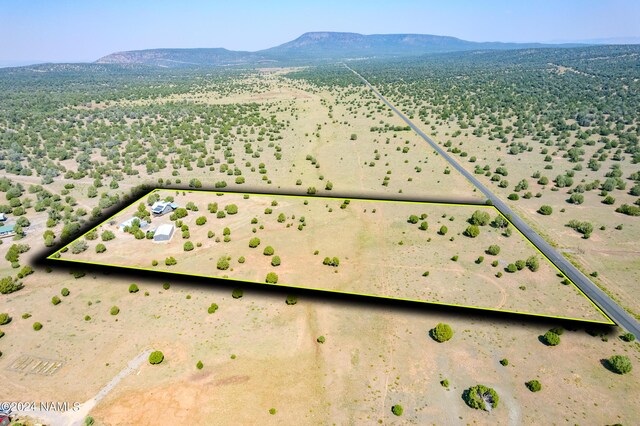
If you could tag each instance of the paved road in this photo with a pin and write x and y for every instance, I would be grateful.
(600, 298)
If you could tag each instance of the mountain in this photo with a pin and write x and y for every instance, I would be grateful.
(315, 46)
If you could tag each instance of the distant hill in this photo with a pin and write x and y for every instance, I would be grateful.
(315, 46)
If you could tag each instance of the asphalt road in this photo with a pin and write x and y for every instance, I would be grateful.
(600, 298)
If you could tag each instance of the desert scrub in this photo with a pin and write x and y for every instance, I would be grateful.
(533, 385)
(441, 332)
(114, 310)
(37, 326)
(397, 410)
(237, 293)
(479, 396)
(620, 364)
(156, 357)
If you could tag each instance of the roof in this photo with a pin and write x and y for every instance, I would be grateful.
(6, 228)
(164, 229)
(159, 206)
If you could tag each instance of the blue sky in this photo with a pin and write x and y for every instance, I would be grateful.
(84, 30)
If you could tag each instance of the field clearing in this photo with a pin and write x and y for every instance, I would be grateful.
(379, 251)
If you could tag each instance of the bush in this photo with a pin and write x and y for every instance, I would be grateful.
(442, 332)
(477, 396)
(268, 251)
(223, 263)
(533, 385)
(237, 293)
(551, 338)
(320, 339)
(291, 300)
(480, 218)
(533, 264)
(545, 210)
(413, 219)
(504, 362)
(619, 364)
(272, 411)
(629, 210)
(79, 246)
(241, 259)
(9, 285)
(199, 365)
(275, 261)
(493, 250)
(166, 286)
(169, 261)
(107, 236)
(201, 221)
(231, 209)
(133, 288)
(114, 310)
(4, 319)
(397, 410)
(444, 383)
(55, 300)
(272, 278)
(423, 226)
(101, 248)
(511, 268)
(254, 242)
(37, 326)
(156, 357)
(188, 246)
(211, 309)
(443, 230)
(472, 231)
(628, 337)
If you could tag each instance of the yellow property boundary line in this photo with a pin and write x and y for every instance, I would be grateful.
(56, 255)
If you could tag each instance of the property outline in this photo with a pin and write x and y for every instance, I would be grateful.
(56, 255)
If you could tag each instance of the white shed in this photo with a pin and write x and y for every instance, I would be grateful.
(164, 232)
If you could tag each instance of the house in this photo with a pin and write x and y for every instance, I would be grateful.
(7, 231)
(129, 223)
(2, 217)
(160, 208)
(164, 232)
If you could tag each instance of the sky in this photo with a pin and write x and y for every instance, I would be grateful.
(85, 30)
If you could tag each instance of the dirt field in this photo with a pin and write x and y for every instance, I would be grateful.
(380, 252)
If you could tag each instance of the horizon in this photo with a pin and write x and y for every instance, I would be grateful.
(91, 31)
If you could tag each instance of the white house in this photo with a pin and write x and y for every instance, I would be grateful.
(164, 232)
(160, 208)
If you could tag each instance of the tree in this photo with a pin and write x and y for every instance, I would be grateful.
(441, 332)
(551, 338)
(65, 292)
(133, 288)
(223, 263)
(55, 300)
(275, 261)
(424, 226)
(534, 385)
(413, 219)
(479, 396)
(114, 310)
(619, 364)
(201, 221)
(281, 218)
(101, 248)
(533, 264)
(188, 246)
(272, 278)
(4, 319)
(37, 326)
(472, 231)
(480, 218)
(397, 410)
(107, 236)
(443, 230)
(156, 357)
(268, 251)
(545, 210)
(254, 242)
(231, 209)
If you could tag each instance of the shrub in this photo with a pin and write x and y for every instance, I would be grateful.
(424, 226)
(221, 214)
(55, 300)
(79, 246)
(188, 246)
(413, 219)
(199, 365)
(166, 286)
(9, 285)
(133, 288)
(275, 261)
(223, 263)
(444, 383)
(231, 209)
(533, 264)
(511, 268)
(545, 210)
(472, 231)
(480, 218)
(101, 248)
(479, 395)
(321, 339)
(551, 338)
(237, 293)
(504, 362)
(201, 221)
(4, 319)
(107, 236)
(619, 364)
(533, 385)
(520, 264)
(628, 337)
(211, 309)
(443, 230)
(629, 210)
(442, 332)
(37, 326)
(169, 261)
(156, 357)
(272, 278)
(493, 250)
(455, 258)
(268, 251)
(272, 411)
(397, 410)
(254, 242)
(291, 300)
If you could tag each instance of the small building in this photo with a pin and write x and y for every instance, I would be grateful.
(7, 231)
(3, 217)
(129, 223)
(160, 208)
(164, 232)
